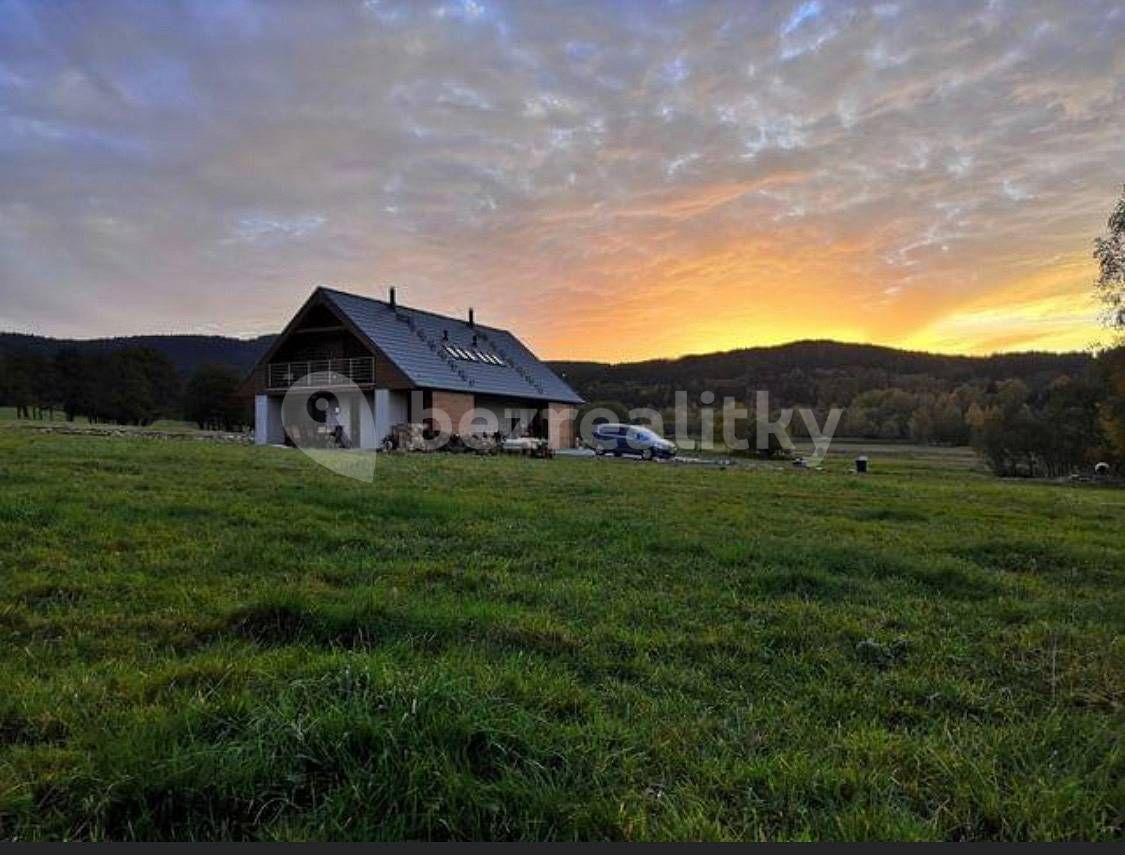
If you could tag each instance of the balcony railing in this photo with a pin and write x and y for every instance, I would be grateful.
(320, 372)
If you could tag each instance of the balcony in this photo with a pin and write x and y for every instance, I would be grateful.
(320, 372)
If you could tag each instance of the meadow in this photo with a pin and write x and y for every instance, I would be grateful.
(207, 641)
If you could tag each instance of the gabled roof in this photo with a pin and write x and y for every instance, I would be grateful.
(414, 340)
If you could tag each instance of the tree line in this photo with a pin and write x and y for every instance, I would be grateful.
(1065, 426)
(820, 373)
(128, 386)
(1066, 423)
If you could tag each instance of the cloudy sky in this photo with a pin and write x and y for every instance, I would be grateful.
(612, 180)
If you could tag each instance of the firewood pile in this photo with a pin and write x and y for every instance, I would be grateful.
(528, 447)
(408, 436)
(478, 443)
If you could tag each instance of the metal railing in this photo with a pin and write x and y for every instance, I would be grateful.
(319, 372)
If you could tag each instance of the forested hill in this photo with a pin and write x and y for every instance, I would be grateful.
(186, 352)
(810, 372)
(806, 372)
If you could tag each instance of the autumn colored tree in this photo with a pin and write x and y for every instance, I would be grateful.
(1109, 252)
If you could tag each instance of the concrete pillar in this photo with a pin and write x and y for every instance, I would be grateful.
(369, 435)
(267, 420)
(381, 422)
(347, 402)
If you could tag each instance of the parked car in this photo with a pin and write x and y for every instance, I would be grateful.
(619, 439)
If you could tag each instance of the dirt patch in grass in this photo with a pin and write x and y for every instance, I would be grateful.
(285, 622)
(282, 623)
(453, 579)
(904, 515)
(805, 584)
(52, 596)
(550, 640)
(16, 728)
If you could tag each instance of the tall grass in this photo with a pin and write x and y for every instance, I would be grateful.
(213, 642)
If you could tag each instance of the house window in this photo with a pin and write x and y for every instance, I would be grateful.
(473, 355)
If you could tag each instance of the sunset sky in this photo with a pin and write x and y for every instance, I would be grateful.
(611, 180)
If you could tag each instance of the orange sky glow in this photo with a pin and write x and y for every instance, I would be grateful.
(612, 181)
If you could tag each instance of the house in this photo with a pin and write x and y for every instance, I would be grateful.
(392, 364)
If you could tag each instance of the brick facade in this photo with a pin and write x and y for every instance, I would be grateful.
(454, 404)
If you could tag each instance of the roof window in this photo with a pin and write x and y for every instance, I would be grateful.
(473, 355)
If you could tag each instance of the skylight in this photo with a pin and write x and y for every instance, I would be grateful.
(473, 355)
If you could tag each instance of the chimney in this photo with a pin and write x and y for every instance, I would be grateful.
(471, 321)
(392, 299)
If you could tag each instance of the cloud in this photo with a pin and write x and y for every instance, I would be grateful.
(258, 227)
(731, 173)
(807, 11)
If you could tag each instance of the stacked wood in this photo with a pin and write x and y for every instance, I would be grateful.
(528, 447)
(408, 436)
(479, 443)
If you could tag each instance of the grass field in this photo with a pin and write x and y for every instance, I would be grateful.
(209, 641)
(58, 417)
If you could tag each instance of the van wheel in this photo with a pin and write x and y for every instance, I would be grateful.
(646, 454)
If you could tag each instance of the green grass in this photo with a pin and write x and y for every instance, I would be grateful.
(207, 641)
(8, 414)
(57, 418)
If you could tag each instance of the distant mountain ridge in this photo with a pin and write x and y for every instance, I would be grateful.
(809, 372)
(187, 352)
(799, 372)
(819, 353)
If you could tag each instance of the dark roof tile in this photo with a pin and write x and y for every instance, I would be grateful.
(413, 340)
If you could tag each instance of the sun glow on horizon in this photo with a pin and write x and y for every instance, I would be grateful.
(1048, 309)
(699, 177)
